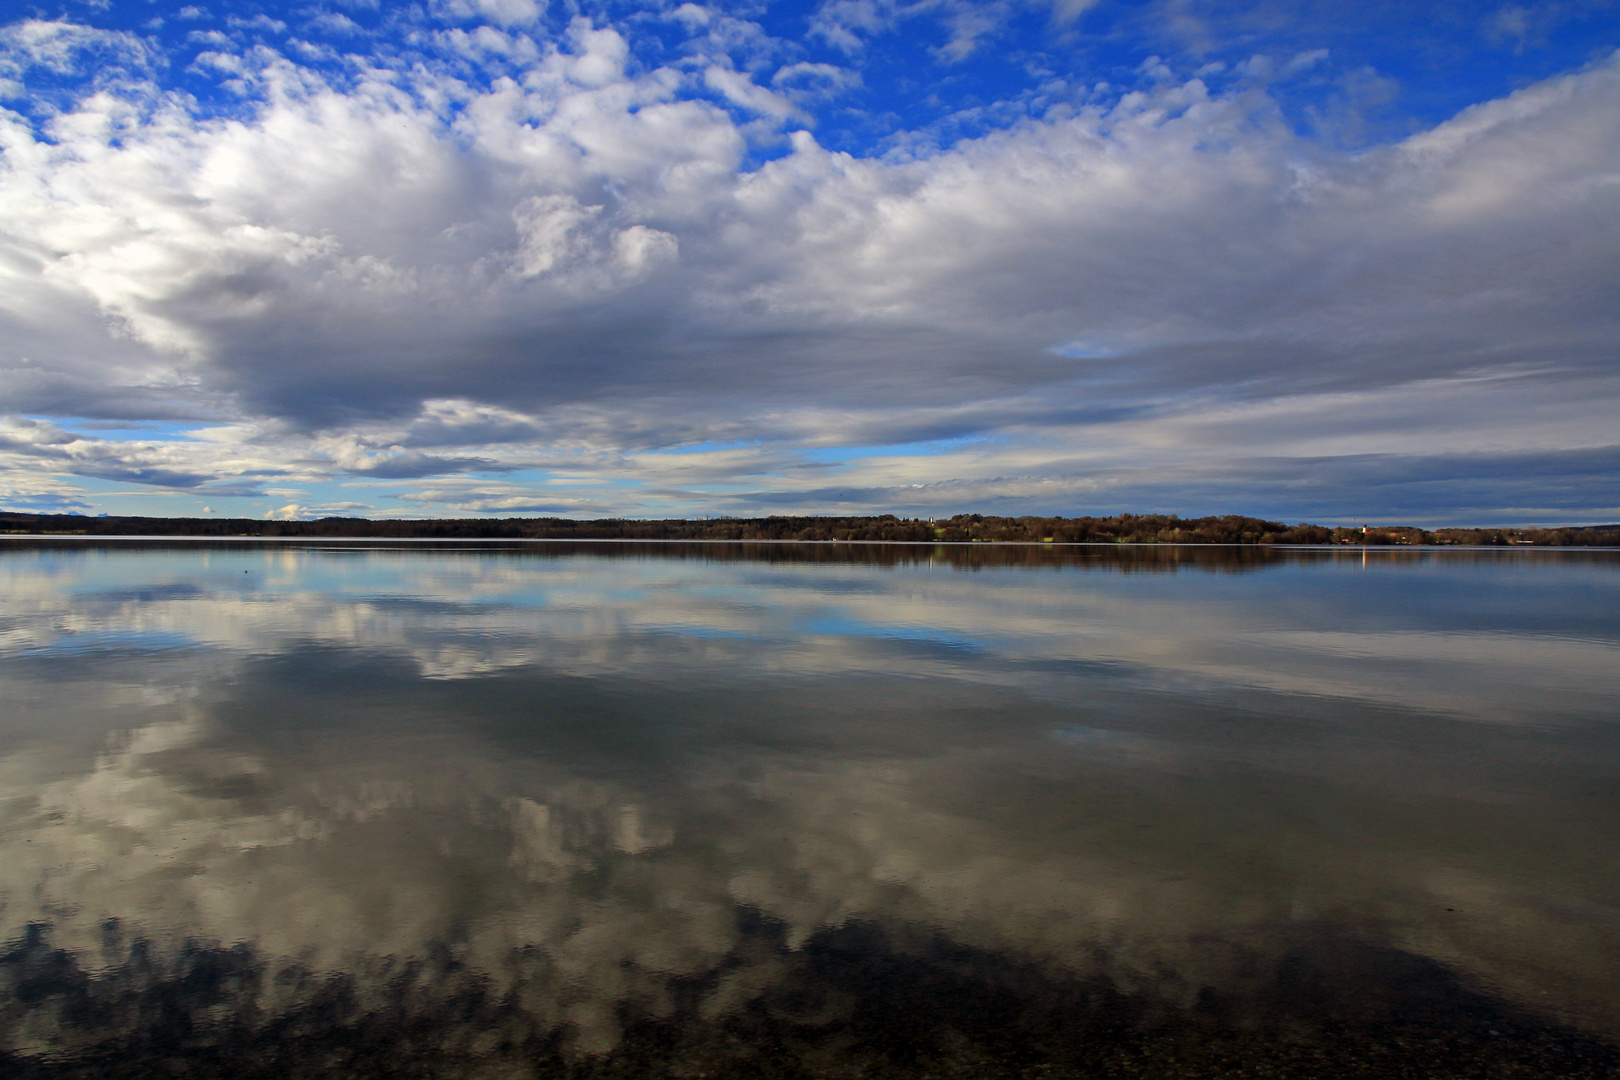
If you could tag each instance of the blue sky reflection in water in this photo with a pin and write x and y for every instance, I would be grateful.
(653, 258)
(810, 808)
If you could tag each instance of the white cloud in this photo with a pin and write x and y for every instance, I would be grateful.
(59, 47)
(486, 43)
(210, 37)
(850, 25)
(692, 16)
(576, 255)
(335, 23)
(549, 228)
(499, 12)
(819, 80)
(740, 90)
(640, 248)
(1067, 12)
(1304, 61)
(258, 22)
(847, 23)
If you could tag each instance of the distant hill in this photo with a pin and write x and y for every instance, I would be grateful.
(1121, 528)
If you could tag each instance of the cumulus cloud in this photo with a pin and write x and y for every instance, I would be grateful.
(848, 23)
(259, 22)
(738, 89)
(499, 12)
(814, 79)
(965, 25)
(61, 46)
(333, 22)
(554, 229)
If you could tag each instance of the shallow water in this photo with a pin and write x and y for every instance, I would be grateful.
(826, 810)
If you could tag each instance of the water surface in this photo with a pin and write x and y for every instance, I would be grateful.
(827, 810)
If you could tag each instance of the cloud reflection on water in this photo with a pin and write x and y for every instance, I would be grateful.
(573, 773)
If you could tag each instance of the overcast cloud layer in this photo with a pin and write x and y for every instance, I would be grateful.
(658, 260)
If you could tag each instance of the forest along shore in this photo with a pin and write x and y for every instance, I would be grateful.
(1121, 529)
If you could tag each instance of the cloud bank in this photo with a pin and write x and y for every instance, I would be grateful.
(502, 260)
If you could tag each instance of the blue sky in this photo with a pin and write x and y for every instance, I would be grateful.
(1307, 260)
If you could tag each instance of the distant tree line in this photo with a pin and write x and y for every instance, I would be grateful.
(962, 528)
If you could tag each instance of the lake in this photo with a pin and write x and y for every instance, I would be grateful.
(744, 810)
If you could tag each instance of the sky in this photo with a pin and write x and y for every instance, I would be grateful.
(1308, 261)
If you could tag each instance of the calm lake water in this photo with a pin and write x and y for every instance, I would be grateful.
(326, 809)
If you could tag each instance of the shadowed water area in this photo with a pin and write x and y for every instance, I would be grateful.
(732, 810)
